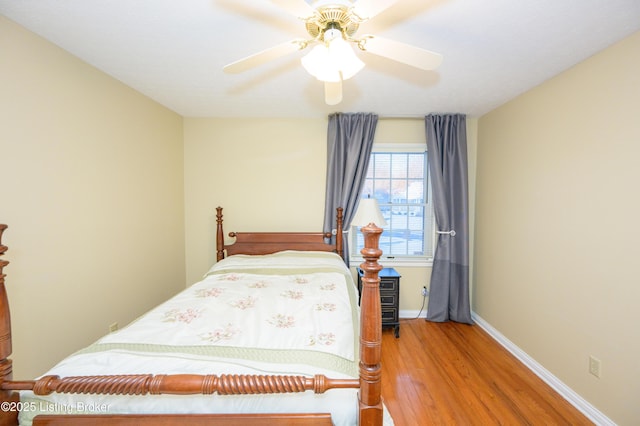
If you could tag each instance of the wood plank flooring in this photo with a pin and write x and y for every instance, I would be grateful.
(456, 374)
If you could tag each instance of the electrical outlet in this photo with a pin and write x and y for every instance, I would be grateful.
(595, 366)
(113, 327)
(425, 292)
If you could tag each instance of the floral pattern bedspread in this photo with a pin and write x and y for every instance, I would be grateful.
(287, 313)
(296, 308)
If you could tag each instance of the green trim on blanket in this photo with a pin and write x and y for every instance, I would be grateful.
(276, 356)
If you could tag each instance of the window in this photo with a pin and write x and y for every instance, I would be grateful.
(399, 180)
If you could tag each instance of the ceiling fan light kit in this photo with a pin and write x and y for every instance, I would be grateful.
(333, 60)
(333, 25)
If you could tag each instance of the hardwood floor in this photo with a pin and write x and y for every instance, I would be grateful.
(456, 374)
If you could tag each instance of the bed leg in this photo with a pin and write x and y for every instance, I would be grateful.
(8, 399)
(369, 397)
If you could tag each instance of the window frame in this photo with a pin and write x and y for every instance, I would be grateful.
(417, 261)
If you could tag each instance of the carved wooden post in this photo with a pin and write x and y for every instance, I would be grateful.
(369, 398)
(219, 235)
(6, 370)
(339, 220)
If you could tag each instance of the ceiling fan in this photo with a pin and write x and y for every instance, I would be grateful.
(332, 26)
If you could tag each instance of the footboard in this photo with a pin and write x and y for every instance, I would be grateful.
(137, 386)
(307, 419)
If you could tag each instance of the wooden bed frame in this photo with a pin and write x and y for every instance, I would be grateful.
(370, 411)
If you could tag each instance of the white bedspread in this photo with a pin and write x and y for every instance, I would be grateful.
(287, 313)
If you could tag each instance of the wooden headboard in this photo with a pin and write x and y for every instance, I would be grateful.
(271, 242)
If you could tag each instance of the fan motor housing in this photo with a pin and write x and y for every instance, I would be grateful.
(329, 17)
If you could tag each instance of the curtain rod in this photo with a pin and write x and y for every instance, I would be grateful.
(402, 117)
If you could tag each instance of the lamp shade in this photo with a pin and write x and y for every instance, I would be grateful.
(333, 60)
(368, 212)
(344, 58)
(319, 64)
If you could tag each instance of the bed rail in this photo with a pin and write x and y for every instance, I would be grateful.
(180, 384)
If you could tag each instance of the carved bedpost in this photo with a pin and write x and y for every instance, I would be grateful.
(6, 369)
(219, 235)
(369, 398)
(5, 317)
(339, 224)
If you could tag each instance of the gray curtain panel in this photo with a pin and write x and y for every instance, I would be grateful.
(447, 149)
(349, 144)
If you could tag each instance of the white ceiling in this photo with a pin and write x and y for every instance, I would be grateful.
(173, 51)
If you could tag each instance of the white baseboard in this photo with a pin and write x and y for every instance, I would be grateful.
(414, 314)
(565, 391)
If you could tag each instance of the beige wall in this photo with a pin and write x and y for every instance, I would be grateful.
(92, 191)
(267, 175)
(557, 226)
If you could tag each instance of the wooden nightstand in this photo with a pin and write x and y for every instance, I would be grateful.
(389, 297)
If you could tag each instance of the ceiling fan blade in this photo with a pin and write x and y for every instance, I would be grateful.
(264, 56)
(333, 92)
(297, 8)
(367, 9)
(401, 52)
